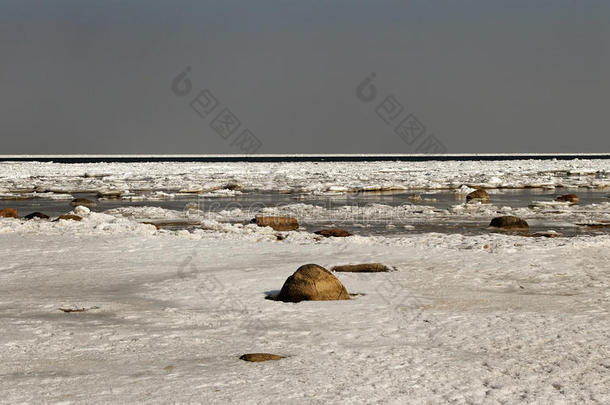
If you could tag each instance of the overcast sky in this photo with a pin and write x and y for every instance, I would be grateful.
(479, 76)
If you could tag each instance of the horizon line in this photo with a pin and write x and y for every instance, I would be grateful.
(277, 158)
(220, 155)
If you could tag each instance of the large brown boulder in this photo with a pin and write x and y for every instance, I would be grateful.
(509, 223)
(361, 268)
(335, 232)
(258, 357)
(478, 195)
(38, 215)
(312, 283)
(571, 198)
(85, 202)
(277, 223)
(8, 213)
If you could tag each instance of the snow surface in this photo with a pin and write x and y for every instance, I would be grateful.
(489, 318)
(481, 319)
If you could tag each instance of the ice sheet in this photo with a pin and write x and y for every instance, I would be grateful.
(301, 177)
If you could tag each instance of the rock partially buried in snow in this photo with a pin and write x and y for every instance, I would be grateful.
(361, 268)
(547, 234)
(258, 357)
(37, 214)
(509, 223)
(85, 202)
(8, 213)
(69, 217)
(312, 283)
(234, 187)
(334, 232)
(110, 194)
(277, 223)
(571, 198)
(478, 195)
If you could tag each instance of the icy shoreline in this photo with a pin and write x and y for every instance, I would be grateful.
(486, 318)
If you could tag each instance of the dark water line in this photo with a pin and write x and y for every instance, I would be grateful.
(292, 158)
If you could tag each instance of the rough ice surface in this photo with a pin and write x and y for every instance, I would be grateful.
(302, 177)
(489, 318)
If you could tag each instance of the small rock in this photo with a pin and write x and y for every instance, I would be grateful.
(478, 195)
(280, 236)
(509, 222)
(335, 232)
(258, 357)
(571, 198)
(8, 213)
(110, 194)
(234, 187)
(600, 225)
(361, 268)
(69, 217)
(39, 215)
(85, 202)
(277, 223)
(312, 283)
(550, 234)
(76, 309)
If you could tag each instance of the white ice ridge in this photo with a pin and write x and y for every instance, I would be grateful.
(298, 177)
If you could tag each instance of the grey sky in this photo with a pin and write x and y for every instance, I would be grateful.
(482, 76)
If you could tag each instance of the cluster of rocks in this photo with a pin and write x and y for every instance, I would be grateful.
(312, 282)
(512, 223)
(13, 213)
(280, 223)
(482, 196)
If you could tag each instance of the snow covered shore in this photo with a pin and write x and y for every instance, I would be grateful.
(163, 315)
(465, 319)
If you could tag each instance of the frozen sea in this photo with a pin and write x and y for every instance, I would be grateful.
(468, 315)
